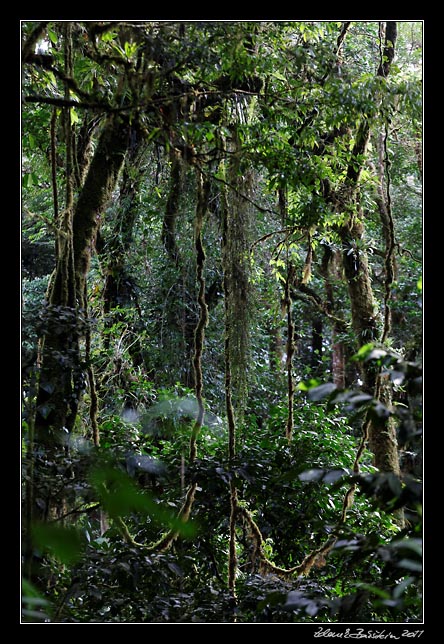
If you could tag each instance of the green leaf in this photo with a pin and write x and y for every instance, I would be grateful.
(363, 352)
(419, 284)
(108, 36)
(30, 593)
(74, 116)
(130, 49)
(118, 493)
(279, 76)
(52, 36)
(308, 384)
(66, 544)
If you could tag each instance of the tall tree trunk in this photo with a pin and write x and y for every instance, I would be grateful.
(382, 434)
(97, 191)
(61, 370)
(180, 307)
(116, 289)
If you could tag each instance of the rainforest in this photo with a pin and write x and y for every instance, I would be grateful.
(221, 322)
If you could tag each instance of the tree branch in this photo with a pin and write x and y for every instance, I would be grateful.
(320, 304)
(63, 102)
(240, 194)
(78, 510)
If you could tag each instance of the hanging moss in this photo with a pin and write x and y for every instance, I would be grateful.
(62, 381)
(236, 261)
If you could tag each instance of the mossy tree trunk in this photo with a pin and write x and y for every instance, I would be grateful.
(364, 308)
(236, 285)
(62, 373)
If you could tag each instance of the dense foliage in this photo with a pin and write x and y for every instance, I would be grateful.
(222, 325)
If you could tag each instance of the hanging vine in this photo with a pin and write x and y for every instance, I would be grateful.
(199, 334)
(288, 308)
(228, 287)
(168, 538)
(53, 157)
(390, 245)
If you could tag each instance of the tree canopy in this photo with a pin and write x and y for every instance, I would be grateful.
(221, 322)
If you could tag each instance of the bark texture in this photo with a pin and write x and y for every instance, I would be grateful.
(365, 316)
(62, 375)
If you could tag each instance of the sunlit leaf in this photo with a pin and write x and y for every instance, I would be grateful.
(108, 36)
(52, 36)
(363, 352)
(306, 385)
(74, 116)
